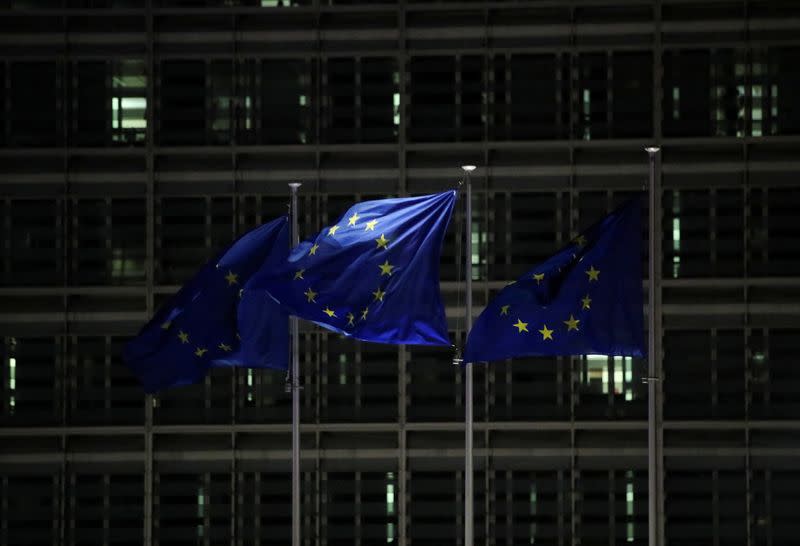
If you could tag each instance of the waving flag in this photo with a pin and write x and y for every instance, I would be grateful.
(211, 322)
(373, 274)
(586, 299)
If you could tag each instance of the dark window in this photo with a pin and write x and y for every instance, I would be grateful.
(33, 253)
(182, 102)
(91, 103)
(687, 96)
(787, 89)
(530, 97)
(432, 95)
(29, 509)
(104, 391)
(108, 241)
(35, 104)
(276, 104)
(633, 94)
(380, 100)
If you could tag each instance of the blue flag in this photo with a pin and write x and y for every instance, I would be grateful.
(586, 299)
(373, 274)
(212, 322)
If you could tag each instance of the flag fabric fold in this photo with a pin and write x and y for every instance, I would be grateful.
(373, 274)
(585, 299)
(212, 322)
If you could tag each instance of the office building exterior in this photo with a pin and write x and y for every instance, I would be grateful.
(139, 136)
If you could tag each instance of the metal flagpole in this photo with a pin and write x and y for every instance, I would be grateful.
(468, 471)
(652, 461)
(295, 387)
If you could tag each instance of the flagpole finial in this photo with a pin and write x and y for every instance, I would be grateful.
(295, 185)
(652, 149)
(468, 168)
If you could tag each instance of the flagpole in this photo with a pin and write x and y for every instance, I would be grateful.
(652, 461)
(468, 470)
(295, 387)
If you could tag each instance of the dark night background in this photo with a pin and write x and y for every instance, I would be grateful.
(137, 137)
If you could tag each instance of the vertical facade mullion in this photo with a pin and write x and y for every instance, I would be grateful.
(149, 262)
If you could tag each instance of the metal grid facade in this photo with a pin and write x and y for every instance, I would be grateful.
(138, 136)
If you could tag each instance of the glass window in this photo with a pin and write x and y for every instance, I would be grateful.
(30, 375)
(687, 99)
(35, 105)
(632, 74)
(530, 97)
(432, 96)
(33, 252)
(91, 102)
(108, 245)
(276, 102)
(28, 509)
(128, 102)
(182, 96)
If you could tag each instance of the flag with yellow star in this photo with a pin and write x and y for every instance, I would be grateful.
(210, 322)
(373, 274)
(585, 299)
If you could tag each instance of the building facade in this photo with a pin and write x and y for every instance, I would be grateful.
(139, 136)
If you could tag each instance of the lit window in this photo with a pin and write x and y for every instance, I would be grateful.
(125, 267)
(587, 110)
(12, 383)
(533, 510)
(129, 102)
(629, 504)
(390, 506)
(201, 504)
(396, 108)
(596, 374)
(343, 369)
(676, 102)
(676, 234)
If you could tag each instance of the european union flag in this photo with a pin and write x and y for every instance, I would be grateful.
(373, 274)
(198, 328)
(586, 299)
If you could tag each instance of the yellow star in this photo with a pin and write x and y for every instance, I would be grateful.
(311, 295)
(580, 240)
(183, 336)
(299, 274)
(594, 274)
(371, 225)
(353, 219)
(330, 312)
(232, 278)
(538, 277)
(572, 323)
(364, 313)
(587, 302)
(226, 348)
(200, 351)
(350, 318)
(379, 294)
(332, 230)
(521, 326)
(166, 325)
(313, 250)
(383, 242)
(546, 333)
(504, 310)
(386, 268)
